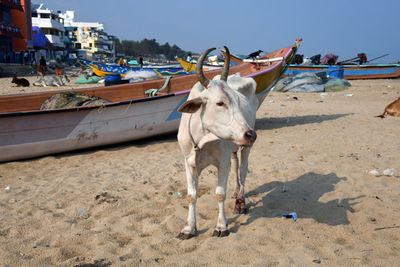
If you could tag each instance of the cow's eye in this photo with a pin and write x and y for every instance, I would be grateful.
(220, 104)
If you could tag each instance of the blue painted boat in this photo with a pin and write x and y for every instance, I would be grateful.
(350, 72)
(103, 69)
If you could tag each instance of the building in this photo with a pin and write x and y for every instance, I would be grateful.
(97, 44)
(70, 42)
(89, 38)
(52, 25)
(15, 30)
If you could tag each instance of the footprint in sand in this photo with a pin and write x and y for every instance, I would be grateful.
(105, 197)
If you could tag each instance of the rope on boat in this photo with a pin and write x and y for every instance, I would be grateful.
(154, 92)
(101, 108)
(129, 105)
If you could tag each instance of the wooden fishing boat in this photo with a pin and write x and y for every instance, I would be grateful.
(191, 67)
(26, 131)
(350, 72)
(103, 69)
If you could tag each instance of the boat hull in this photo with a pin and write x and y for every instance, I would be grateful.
(352, 72)
(102, 70)
(32, 135)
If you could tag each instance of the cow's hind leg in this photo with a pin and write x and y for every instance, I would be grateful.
(240, 202)
(221, 230)
(190, 229)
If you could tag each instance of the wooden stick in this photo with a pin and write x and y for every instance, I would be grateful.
(378, 57)
(262, 60)
(388, 227)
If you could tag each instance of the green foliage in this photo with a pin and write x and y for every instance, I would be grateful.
(148, 48)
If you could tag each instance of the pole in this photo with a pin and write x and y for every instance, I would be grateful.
(378, 57)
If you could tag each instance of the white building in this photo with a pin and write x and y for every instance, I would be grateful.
(89, 38)
(51, 24)
(69, 17)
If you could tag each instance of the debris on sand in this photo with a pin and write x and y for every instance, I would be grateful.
(375, 172)
(389, 172)
(292, 215)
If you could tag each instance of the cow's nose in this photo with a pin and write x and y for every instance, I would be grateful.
(250, 136)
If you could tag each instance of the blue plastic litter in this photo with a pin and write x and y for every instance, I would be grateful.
(292, 215)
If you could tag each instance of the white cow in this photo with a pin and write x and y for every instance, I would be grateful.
(54, 80)
(217, 123)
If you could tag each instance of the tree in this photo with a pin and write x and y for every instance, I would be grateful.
(148, 48)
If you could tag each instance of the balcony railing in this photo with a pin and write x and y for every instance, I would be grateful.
(9, 30)
(48, 23)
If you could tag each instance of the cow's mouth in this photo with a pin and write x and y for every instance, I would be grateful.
(248, 138)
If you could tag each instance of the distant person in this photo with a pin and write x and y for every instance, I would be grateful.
(362, 58)
(42, 66)
(33, 58)
(316, 59)
(189, 57)
(26, 57)
(59, 68)
(297, 59)
(140, 61)
(121, 61)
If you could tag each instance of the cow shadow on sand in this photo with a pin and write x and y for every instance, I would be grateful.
(301, 195)
(268, 123)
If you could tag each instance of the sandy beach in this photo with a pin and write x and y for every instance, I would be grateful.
(7, 88)
(123, 205)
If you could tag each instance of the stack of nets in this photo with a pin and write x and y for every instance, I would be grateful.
(72, 100)
(310, 82)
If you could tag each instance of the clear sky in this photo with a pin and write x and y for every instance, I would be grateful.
(342, 27)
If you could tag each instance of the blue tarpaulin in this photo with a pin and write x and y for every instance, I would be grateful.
(39, 39)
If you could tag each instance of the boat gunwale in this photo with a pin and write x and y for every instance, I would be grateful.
(390, 65)
(353, 72)
(132, 101)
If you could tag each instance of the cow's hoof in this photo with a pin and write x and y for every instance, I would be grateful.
(240, 206)
(241, 210)
(184, 236)
(219, 233)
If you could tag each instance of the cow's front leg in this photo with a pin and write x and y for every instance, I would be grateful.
(221, 229)
(240, 202)
(235, 168)
(190, 229)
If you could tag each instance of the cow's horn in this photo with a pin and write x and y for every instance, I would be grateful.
(225, 72)
(200, 74)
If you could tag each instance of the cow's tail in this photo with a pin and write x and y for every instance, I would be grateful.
(382, 116)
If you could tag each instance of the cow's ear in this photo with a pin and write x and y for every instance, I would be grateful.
(191, 106)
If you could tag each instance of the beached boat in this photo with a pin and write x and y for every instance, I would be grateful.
(26, 131)
(122, 71)
(350, 72)
(103, 69)
(191, 66)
